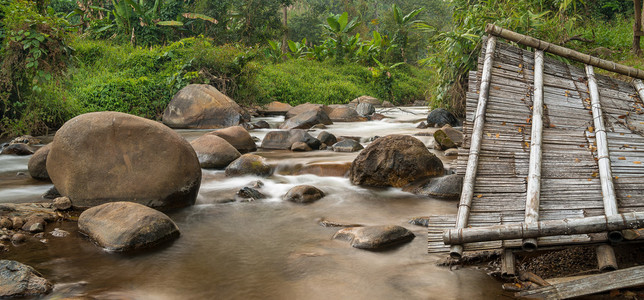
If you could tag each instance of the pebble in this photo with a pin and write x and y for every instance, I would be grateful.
(6, 223)
(18, 238)
(17, 222)
(62, 203)
(5, 237)
(59, 233)
(39, 235)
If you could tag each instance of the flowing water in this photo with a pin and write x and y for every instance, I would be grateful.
(266, 249)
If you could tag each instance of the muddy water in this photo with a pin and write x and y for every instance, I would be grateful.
(267, 249)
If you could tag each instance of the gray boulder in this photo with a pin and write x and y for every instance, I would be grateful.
(366, 99)
(275, 108)
(307, 120)
(439, 117)
(126, 226)
(203, 106)
(345, 114)
(375, 237)
(214, 152)
(20, 280)
(327, 138)
(303, 194)
(347, 145)
(446, 187)
(284, 140)
(249, 194)
(37, 165)
(249, 164)
(365, 109)
(305, 108)
(18, 149)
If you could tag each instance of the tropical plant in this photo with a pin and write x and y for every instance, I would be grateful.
(403, 26)
(338, 27)
(274, 51)
(383, 78)
(297, 49)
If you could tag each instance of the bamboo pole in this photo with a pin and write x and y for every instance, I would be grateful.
(605, 170)
(606, 260)
(631, 220)
(639, 86)
(563, 51)
(534, 172)
(475, 147)
(508, 264)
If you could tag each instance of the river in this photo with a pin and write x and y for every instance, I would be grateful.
(265, 249)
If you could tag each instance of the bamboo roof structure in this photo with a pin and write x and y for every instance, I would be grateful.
(583, 157)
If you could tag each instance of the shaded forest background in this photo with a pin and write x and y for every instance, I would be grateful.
(61, 58)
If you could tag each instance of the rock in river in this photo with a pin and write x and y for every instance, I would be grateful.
(203, 106)
(110, 156)
(446, 187)
(375, 237)
(303, 194)
(238, 137)
(20, 280)
(285, 139)
(394, 160)
(214, 152)
(18, 149)
(249, 164)
(448, 137)
(38, 163)
(347, 145)
(125, 226)
(307, 120)
(439, 117)
(345, 114)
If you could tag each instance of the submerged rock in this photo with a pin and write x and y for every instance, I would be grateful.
(347, 145)
(125, 226)
(300, 147)
(20, 280)
(202, 106)
(304, 194)
(18, 149)
(394, 160)
(37, 165)
(110, 156)
(250, 194)
(375, 237)
(238, 137)
(439, 117)
(214, 152)
(249, 164)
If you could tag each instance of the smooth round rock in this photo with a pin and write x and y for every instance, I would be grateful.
(34, 224)
(125, 226)
(327, 138)
(110, 156)
(214, 152)
(451, 152)
(37, 165)
(62, 203)
(202, 106)
(5, 223)
(347, 145)
(394, 160)
(285, 139)
(305, 108)
(249, 164)
(375, 237)
(238, 137)
(20, 280)
(307, 120)
(18, 238)
(303, 194)
(439, 117)
(345, 114)
(17, 222)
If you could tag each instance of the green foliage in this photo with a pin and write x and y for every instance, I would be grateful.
(338, 27)
(274, 51)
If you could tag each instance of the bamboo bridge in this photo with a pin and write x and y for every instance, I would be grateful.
(553, 154)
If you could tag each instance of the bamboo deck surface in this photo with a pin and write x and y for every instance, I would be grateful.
(570, 183)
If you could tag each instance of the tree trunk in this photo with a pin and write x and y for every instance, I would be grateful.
(637, 26)
(285, 23)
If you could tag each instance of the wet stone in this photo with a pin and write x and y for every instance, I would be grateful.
(18, 238)
(348, 145)
(20, 280)
(375, 237)
(59, 233)
(451, 152)
(300, 147)
(304, 194)
(5, 237)
(34, 224)
(62, 203)
(17, 222)
(6, 223)
(250, 194)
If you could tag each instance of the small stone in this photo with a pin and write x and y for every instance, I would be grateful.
(18, 238)
(36, 227)
(348, 145)
(5, 237)
(375, 237)
(300, 147)
(261, 125)
(59, 233)
(303, 194)
(39, 235)
(422, 125)
(62, 203)
(17, 222)
(251, 194)
(451, 152)
(34, 224)
(327, 138)
(365, 109)
(6, 223)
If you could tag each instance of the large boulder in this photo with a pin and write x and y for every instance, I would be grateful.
(307, 120)
(365, 99)
(214, 152)
(249, 164)
(345, 114)
(439, 117)
(448, 137)
(203, 106)
(446, 187)
(110, 156)
(126, 226)
(365, 109)
(284, 140)
(394, 160)
(238, 137)
(37, 165)
(375, 237)
(307, 107)
(275, 108)
(303, 194)
(20, 280)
